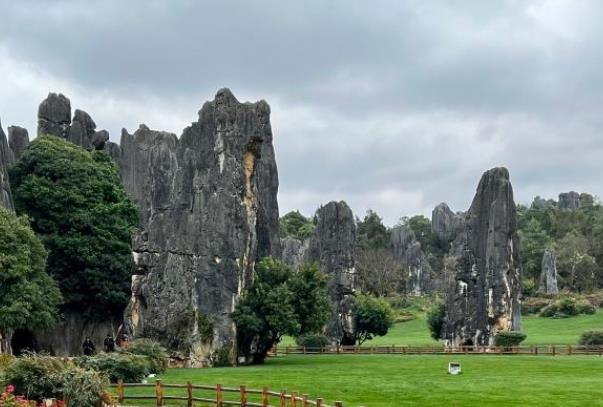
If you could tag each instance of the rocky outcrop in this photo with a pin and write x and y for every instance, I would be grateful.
(408, 250)
(569, 200)
(294, 251)
(54, 115)
(483, 296)
(445, 223)
(18, 140)
(548, 275)
(541, 203)
(332, 246)
(209, 211)
(6, 158)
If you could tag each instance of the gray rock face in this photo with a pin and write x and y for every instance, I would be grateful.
(294, 251)
(548, 275)
(569, 200)
(54, 116)
(483, 296)
(82, 129)
(332, 246)
(541, 203)
(445, 223)
(208, 213)
(6, 159)
(407, 249)
(18, 140)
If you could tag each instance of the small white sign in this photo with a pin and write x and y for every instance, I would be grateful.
(454, 368)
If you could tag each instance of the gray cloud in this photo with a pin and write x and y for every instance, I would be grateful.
(391, 105)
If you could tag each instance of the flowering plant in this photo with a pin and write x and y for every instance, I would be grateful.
(9, 399)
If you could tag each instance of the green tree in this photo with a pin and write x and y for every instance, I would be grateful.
(576, 266)
(310, 299)
(534, 241)
(436, 316)
(295, 224)
(371, 233)
(84, 218)
(29, 297)
(265, 311)
(372, 317)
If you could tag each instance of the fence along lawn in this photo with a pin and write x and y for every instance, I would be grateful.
(398, 380)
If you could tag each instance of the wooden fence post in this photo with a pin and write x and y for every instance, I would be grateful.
(189, 391)
(318, 402)
(569, 349)
(243, 394)
(305, 400)
(554, 351)
(294, 399)
(218, 395)
(338, 404)
(283, 399)
(287, 350)
(159, 392)
(120, 391)
(265, 397)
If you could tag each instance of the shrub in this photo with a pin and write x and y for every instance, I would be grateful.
(534, 305)
(567, 307)
(35, 376)
(404, 316)
(118, 366)
(508, 339)
(313, 341)
(591, 338)
(81, 387)
(5, 361)
(435, 320)
(223, 356)
(157, 354)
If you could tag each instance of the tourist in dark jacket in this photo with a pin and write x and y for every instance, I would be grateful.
(109, 343)
(88, 347)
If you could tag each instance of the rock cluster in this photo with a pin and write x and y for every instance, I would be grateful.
(573, 200)
(548, 275)
(483, 296)
(18, 140)
(208, 213)
(407, 249)
(445, 223)
(6, 159)
(332, 246)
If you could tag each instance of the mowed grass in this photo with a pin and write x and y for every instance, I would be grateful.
(400, 380)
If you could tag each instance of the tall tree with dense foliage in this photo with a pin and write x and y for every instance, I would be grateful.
(81, 212)
(279, 302)
(29, 297)
(372, 317)
(576, 266)
(371, 233)
(534, 241)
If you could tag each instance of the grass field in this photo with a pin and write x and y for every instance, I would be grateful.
(540, 331)
(396, 380)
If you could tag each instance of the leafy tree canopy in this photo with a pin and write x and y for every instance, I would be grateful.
(295, 224)
(29, 297)
(372, 317)
(81, 212)
(371, 233)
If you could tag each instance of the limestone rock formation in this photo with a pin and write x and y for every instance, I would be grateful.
(18, 140)
(294, 251)
(541, 203)
(83, 132)
(6, 158)
(548, 275)
(483, 296)
(332, 246)
(209, 211)
(54, 115)
(445, 223)
(407, 249)
(569, 200)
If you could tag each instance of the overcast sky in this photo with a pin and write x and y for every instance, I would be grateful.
(390, 105)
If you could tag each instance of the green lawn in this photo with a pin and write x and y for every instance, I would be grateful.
(396, 380)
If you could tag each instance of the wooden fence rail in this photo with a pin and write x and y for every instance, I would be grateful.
(550, 350)
(215, 395)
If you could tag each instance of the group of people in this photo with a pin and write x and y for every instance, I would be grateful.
(88, 347)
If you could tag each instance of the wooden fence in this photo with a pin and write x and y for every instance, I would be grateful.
(550, 350)
(218, 395)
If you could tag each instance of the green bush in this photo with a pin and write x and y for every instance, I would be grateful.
(157, 354)
(5, 361)
(508, 339)
(80, 387)
(35, 376)
(533, 305)
(119, 366)
(312, 341)
(567, 307)
(223, 356)
(436, 317)
(591, 338)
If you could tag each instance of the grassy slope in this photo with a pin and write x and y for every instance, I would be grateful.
(377, 381)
